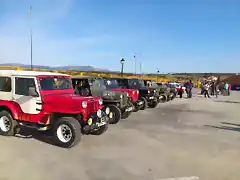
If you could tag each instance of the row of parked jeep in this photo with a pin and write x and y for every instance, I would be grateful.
(69, 107)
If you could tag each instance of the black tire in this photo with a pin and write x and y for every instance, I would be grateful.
(75, 128)
(164, 99)
(153, 104)
(100, 131)
(173, 96)
(125, 115)
(117, 114)
(145, 103)
(136, 108)
(11, 128)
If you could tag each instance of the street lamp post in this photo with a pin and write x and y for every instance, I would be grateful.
(31, 48)
(122, 61)
(157, 74)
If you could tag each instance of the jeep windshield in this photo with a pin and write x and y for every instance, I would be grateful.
(98, 83)
(55, 83)
(154, 84)
(136, 83)
(111, 83)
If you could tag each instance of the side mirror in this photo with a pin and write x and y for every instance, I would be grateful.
(32, 92)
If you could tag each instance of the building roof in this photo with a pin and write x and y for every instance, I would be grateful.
(28, 73)
(235, 79)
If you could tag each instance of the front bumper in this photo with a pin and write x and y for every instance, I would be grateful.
(96, 120)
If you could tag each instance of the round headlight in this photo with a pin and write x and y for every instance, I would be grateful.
(154, 90)
(148, 91)
(84, 104)
(99, 113)
(133, 92)
(100, 101)
(121, 96)
(107, 111)
(127, 94)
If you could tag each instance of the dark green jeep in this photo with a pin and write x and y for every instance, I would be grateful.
(116, 101)
(168, 92)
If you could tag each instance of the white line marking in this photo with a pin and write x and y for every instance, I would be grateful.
(182, 178)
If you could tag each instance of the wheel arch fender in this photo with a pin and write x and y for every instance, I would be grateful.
(12, 107)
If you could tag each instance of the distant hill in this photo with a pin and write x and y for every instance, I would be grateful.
(70, 68)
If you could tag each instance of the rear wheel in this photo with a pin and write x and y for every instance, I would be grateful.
(153, 104)
(67, 132)
(7, 124)
(145, 103)
(115, 114)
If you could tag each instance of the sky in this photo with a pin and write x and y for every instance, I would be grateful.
(166, 35)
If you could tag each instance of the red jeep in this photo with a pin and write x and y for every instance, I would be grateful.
(46, 101)
(132, 94)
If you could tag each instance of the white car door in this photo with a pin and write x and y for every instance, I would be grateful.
(29, 104)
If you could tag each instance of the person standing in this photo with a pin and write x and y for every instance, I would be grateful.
(212, 88)
(216, 89)
(229, 89)
(226, 88)
(190, 89)
(206, 88)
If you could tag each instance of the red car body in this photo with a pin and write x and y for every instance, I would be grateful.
(55, 101)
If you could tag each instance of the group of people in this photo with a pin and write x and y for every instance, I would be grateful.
(215, 88)
(188, 89)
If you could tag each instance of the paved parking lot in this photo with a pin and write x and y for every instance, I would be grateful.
(197, 137)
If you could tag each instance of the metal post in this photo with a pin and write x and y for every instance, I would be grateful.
(31, 49)
(31, 52)
(122, 70)
(135, 64)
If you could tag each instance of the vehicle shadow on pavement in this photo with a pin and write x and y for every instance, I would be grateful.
(233, 102)
(28, 133)
(231, 127)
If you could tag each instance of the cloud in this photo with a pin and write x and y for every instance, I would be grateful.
(47, 50)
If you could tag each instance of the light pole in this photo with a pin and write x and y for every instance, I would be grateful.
(122, 61)
(31, 53)
(135, 63)
(157, 74)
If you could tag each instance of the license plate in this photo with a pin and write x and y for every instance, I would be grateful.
(151, 97)
(101, 123)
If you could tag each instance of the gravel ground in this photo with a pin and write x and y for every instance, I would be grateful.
(184, 137)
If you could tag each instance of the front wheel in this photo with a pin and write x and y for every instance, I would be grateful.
(145, 103)
(115, 114)
(67, 132)
(163, 98)
(7, 124)
(153, 104)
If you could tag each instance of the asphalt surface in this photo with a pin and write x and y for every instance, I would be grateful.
(185, 137)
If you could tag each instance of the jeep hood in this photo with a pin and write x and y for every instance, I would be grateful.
(70, 103)
(113, 95)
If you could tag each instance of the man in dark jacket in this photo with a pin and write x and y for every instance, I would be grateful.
(189, 86)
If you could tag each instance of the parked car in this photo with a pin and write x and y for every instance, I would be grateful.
(149, 96)
(46, 101)
(178, 87)
(133, 94)
(116, 101)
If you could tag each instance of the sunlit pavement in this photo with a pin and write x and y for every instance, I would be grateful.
(183, 138)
